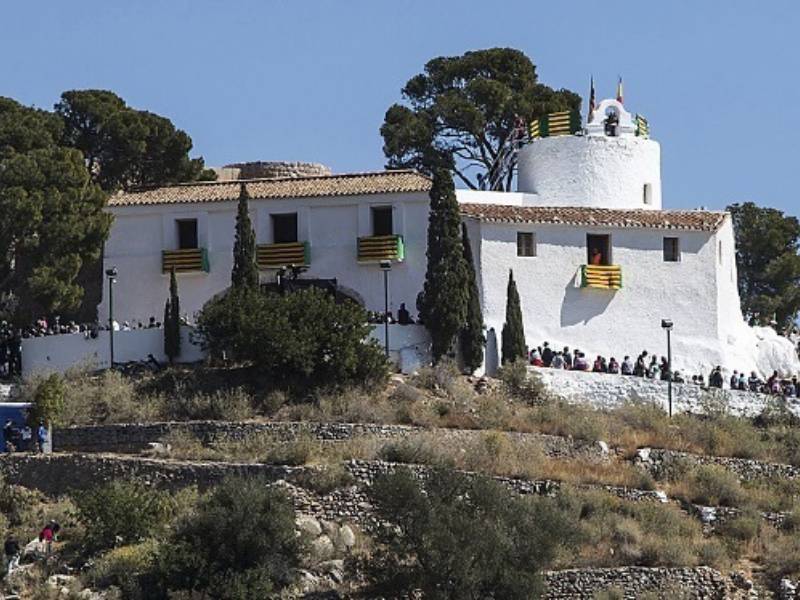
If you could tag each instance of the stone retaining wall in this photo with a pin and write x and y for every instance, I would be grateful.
(632, 582)
(135, 437)
(602, 390)
(663, 464)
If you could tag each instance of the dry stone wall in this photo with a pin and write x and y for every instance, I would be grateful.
(135, 437)
(606, 391)
(632, 582)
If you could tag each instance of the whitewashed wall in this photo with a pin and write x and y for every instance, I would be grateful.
(409, 347)
(57, 353)
(331, 225)
(599, 171)
(605, 391)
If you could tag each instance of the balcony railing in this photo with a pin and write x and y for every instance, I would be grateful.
(606, 277)
(381, 247)
(274, 256)
(187, 260)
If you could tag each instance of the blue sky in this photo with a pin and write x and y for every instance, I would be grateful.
(718, 80)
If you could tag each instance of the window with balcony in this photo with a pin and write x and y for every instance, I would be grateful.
(526, 243)
(382, 220)
(284, 228)
(672, 250)
(187, 233)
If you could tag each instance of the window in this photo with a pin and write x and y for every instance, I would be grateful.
(382, 220)
(647, 194)
(284, 228)
(187, 233)
(526, 244)
(598, 249)
(672, 250)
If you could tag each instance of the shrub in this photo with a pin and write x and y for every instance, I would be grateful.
(130, 568)
(121, 513)
(326, 479)
(522, 385)
(240, 543)
(714, 486)
(462, 537)
(418, 449)
(742, 528)
(301, 340)
(221, 405)
(47, 402)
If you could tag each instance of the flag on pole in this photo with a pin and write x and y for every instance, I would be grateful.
(619, 91)
(592, 104)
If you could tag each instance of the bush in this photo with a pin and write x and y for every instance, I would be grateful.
(221, 405)
(326, 479)
(47, 402)
(130, 568)
(240, 543)
(301, 340)
(712, 485)
(742, 528)
(522, 385)
(462, 537)
(121, 513)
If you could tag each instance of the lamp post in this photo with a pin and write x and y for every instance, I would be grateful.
(112, 278)
(386, 266)
(667, 325)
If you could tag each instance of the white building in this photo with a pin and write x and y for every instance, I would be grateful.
(597, 262)
(338, 226)
(597, 191)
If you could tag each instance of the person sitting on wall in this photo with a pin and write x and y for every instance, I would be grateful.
(403, 316)
(558, 361)
(715, 379)
(771, 382)
(627, 366)
(789, 389)
(547, 354)
(10, 435)
(753, 382)
(734, 381)
(677, 377)
(580, 363)
(640, 367)
(742, 384)
(664, 369)
(567, 358)
(597, 366)
(652, 369)
(536, 358)
(613, 366)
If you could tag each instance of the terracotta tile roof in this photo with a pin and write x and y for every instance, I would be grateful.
(351, 184)
(698, 220)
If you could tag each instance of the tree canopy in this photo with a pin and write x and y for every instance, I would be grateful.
(462, 109)
(245, 269)
(768, 264)
(513, 337)
(124, 147)
(471, 337)
(51, 214)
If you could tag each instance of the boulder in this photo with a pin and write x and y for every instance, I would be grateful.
(346, 538)
(308, 525)
(604, 450)
(322, 548)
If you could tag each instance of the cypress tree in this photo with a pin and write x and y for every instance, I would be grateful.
(172, 320)
(442, 304)
(513, 338)
(471, 336)
(245, 269)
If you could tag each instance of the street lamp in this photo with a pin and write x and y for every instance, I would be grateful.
(112, 278)
(666, 324)
(386, 266)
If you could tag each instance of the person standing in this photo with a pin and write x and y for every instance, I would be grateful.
(11, 550)
(41, 437)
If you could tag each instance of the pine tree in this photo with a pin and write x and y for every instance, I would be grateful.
(471, 335)
(245, 270)
(513, 339)
(172, 320)
(443, 301)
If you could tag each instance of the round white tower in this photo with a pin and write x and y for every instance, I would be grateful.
(612, 165)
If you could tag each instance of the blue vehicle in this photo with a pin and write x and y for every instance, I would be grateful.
(17, 413)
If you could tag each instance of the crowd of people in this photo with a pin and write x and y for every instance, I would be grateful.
(653, 367)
